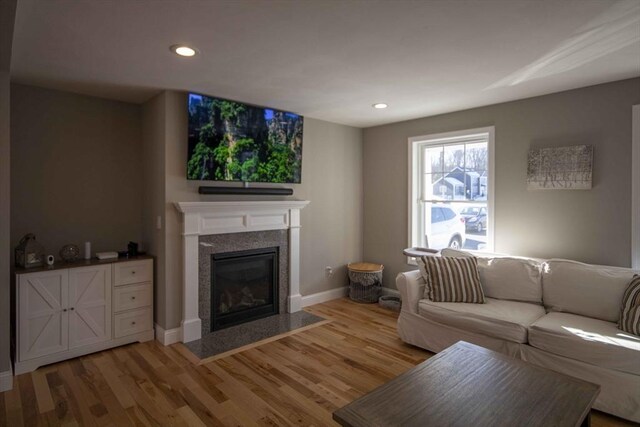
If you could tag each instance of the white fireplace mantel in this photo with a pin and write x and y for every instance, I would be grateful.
(206, 218)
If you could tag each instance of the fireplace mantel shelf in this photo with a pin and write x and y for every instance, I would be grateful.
(207, 218)
(194, 207)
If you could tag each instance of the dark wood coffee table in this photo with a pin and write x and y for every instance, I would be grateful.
(467, 385)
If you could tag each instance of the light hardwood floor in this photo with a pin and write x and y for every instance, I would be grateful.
(299, 379)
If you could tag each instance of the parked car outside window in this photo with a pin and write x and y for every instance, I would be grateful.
(475, 218)
(447, 228)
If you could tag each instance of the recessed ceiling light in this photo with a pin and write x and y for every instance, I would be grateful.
(182, 50)
(380, 105)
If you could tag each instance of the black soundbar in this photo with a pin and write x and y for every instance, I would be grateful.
(246, 190)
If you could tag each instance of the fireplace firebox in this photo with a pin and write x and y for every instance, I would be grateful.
(244, 286)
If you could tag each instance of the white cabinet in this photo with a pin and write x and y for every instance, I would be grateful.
(130, 272)
(89, 305)
(43, 319)
(68, 312)
(132, 287)
(132, 297)
(132, 322)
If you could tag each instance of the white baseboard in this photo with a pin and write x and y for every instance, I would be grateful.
(332, 294)
(6, 380)
(167, 337)
(325, 296)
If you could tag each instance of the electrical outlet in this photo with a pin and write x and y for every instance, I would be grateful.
(328, 271)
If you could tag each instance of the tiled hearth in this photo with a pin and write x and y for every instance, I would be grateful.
(221, 343)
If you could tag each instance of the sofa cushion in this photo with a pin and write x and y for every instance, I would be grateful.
(517, 279)
(507, 320)
(504, 277)
(589, 290)
(452, 279)
(588, 340)
(448, 252)
(630, 311)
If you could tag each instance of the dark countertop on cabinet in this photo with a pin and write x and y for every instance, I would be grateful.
(79, 263)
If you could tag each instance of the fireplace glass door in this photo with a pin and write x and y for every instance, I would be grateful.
(244, 286)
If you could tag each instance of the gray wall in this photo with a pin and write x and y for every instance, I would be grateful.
(331, 233)
(5, 212)
(331, 224)
(7, 18)
(75, 169)
(153, 195)
(590, 226)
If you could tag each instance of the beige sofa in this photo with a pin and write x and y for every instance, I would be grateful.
(558, 314)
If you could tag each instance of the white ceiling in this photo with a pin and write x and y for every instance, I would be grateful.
(329, 59)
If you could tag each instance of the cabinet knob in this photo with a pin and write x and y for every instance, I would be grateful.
(133, 323)
(133, 272)
(72, 308)
(64, 309)
(133, 297)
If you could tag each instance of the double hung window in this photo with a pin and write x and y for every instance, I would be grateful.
(451, 190)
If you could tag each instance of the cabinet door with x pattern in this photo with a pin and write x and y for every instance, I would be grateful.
(89, 305)
(42, 313)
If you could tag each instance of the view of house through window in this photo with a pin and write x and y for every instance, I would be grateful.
(451, 192)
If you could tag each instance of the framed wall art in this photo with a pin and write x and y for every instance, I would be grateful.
(560, 168)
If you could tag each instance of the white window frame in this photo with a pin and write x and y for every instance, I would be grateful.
(635, 188)
(414, 198)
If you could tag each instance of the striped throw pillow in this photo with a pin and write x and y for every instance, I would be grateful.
(630, 311)
(452, 279)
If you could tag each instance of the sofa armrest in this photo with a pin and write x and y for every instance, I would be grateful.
(410, 284)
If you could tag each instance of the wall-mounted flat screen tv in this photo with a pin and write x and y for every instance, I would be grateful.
(231, 141)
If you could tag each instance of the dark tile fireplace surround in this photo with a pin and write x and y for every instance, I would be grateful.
(248, 272)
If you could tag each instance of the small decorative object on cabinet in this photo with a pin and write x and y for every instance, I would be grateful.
(69, 253)
(29, 252)
(132, 249)
(68, 310)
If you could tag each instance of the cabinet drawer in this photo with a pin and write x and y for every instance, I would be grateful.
(132, 296)
(132, 322)
(127, 273)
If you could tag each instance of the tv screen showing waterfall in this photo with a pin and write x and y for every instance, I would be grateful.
(231, 141)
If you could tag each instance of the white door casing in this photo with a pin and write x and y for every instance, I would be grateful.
(43, 314)
(89, 305)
